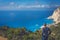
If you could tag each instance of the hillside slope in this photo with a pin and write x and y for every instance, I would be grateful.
(23, 34)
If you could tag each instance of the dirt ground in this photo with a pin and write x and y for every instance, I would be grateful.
(2, 38)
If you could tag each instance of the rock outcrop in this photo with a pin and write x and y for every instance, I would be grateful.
(56, 15)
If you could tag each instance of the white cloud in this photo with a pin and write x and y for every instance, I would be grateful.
(14, 6)
(57, 5)
(11, 3)
(32, 6)
(23, 7)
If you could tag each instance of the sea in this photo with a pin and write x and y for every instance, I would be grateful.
(32, 20)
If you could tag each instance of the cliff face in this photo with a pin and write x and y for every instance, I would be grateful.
(56, 15)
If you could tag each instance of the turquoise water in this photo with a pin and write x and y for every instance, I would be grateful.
(31, 20)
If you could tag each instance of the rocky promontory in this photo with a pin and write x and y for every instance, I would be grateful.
(56, 15)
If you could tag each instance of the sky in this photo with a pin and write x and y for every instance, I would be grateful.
(28, 4)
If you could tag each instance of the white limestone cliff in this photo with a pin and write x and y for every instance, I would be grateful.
(56, 15)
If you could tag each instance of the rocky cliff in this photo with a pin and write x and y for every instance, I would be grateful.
(56, 15)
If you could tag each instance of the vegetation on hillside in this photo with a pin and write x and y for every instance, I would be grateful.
(23, 34)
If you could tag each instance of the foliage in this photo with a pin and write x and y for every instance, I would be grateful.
(23, 34)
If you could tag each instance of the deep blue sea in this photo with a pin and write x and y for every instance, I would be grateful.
(31, 20)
